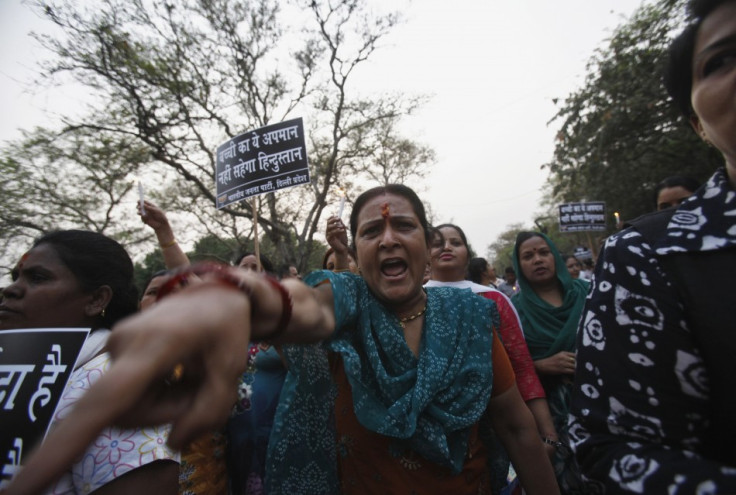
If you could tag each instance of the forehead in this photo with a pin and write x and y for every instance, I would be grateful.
(42, 255)
(448, 231)
(533, 244)
(674, 192)
(720, 23)
(375, 207)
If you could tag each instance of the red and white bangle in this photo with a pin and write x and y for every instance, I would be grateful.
(223, 274)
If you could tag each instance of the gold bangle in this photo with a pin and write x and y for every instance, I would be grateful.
(168, 244)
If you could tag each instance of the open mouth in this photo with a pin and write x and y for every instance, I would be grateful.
(393, 267)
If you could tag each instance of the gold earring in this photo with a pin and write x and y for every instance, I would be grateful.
(103, 312)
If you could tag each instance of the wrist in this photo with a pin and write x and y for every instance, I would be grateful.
(251, 286)
(167, 244)
(555, 442)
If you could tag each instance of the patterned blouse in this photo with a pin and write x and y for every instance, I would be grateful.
(642, 394)
(116, 451)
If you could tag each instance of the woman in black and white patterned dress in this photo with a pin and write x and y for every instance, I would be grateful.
(654, 407)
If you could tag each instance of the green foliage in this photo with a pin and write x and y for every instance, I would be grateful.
(619, 133)
(61, 180)
(500, 252)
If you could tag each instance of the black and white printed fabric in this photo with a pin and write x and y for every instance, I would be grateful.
(646, 390)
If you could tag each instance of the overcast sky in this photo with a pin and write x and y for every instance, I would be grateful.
(492, 68)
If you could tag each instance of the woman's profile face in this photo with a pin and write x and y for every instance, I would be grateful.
(391, 249)
(44, 293)
(713, 94)
(536, 261)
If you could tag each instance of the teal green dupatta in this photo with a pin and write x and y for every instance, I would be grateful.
(427, 404)
(548, 329)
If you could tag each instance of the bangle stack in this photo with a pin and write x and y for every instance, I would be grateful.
(223, 275)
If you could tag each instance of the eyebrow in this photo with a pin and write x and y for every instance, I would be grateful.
(728, 40)
(393, 217)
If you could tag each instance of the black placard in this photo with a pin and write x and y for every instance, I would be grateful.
(35, 365)
(261, 161)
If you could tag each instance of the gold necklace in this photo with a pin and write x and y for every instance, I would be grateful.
(412, 317)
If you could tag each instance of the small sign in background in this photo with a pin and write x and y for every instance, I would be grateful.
(579, 217)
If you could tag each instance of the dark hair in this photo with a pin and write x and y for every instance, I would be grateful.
(265, 262)
(688, 183)
(434, 233)
(566, 257)
(476, 268)
(96, 260)
(326, 257)
(399, 190)
(678, 77)
(284, 270)
(329, 251)
(157, 274)
(463, 237)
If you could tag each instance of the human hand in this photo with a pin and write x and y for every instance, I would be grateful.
(337, 235)
(205, 328)
(153, 216)
(562, 363)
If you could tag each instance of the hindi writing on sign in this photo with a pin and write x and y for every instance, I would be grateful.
(578, 217)
(261, 161)
(35, 365)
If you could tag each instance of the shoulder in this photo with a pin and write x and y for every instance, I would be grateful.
(453, 299)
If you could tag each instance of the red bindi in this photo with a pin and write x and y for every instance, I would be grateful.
(23, 259)
(385, 210)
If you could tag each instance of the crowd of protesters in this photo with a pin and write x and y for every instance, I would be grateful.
(406, 365)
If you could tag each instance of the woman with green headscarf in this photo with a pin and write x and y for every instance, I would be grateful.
(549, 305)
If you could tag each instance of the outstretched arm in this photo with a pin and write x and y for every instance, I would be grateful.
(204, 330)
